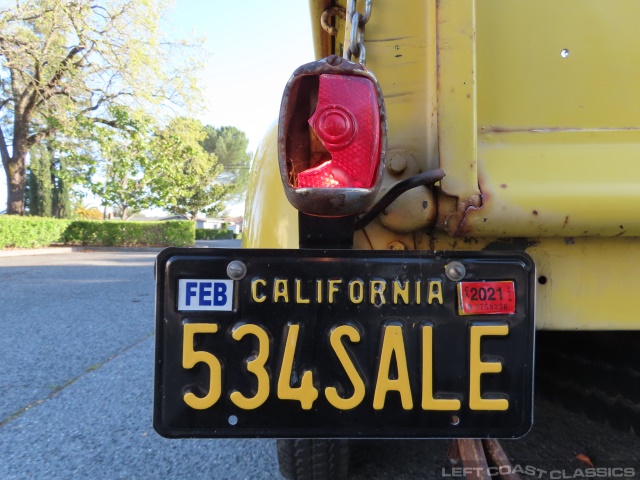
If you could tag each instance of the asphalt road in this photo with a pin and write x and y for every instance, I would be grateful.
(76, 385)
(76, 381)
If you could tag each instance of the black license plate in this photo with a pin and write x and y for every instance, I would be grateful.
(343, 343)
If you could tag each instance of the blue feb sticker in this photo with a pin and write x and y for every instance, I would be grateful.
(205, 295)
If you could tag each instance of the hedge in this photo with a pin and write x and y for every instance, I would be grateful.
(119, 233)
(214, 234)
(30, 232)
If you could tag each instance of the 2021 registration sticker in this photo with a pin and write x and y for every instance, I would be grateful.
(486, 298)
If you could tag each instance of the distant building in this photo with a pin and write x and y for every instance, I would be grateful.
(233, 224)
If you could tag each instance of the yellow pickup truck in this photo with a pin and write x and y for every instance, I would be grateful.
(498, 202)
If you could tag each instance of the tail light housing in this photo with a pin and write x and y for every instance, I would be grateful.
(332, 138)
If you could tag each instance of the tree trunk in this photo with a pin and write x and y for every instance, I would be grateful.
(16, 180)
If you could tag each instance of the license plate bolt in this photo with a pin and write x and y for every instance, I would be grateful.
(455, 271)
(236, 270)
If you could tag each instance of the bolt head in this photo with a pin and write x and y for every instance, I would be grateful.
(236, 270)
(455, 271)
(397, 164)
(334, 60)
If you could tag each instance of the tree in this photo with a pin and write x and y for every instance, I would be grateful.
(186, 179)
(230, 146)
(48, 192)
(121, 174)
(65, 63)
(39, 188)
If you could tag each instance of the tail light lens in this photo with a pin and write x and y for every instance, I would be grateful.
(347, 123)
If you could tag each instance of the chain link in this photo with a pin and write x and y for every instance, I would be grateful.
(356, 39)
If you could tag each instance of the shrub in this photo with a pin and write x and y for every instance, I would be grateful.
(119, 233)
(30, 232)
(214, 234)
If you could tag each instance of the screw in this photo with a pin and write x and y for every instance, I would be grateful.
(334, 60)
(455, 271)
(236, 270)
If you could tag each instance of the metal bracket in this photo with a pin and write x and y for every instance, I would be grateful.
(324, 232)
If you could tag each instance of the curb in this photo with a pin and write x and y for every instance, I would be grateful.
(85, 249)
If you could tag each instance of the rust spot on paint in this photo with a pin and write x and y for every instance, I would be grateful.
(468, 95)
(535, 212)
(566, 220)
(396, 245)
(569, 241)
(504, 185)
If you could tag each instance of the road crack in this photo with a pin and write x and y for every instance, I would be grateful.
(68, 383)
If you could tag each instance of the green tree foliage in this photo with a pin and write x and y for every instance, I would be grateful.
(61, 204)
(230, 146)
(39, 193)
(186, 179)
(141, 166)
(47, 189)
(65, 64)
(121, 174)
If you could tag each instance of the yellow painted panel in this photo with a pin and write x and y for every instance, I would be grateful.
(570, 183)
(401, 53)
(524, 81)
(270, 221)
(556, 146)
(457, 126)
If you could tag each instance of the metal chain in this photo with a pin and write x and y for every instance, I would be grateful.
(356, 38)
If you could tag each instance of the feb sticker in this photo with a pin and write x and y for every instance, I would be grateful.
(205, 295)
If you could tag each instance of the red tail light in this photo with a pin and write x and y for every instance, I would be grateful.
(347, 123)
(332, 138)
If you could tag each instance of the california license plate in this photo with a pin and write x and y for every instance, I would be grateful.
(343, 343)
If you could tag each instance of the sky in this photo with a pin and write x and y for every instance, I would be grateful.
(253, 47)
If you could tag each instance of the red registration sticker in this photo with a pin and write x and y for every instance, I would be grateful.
(486, 298)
